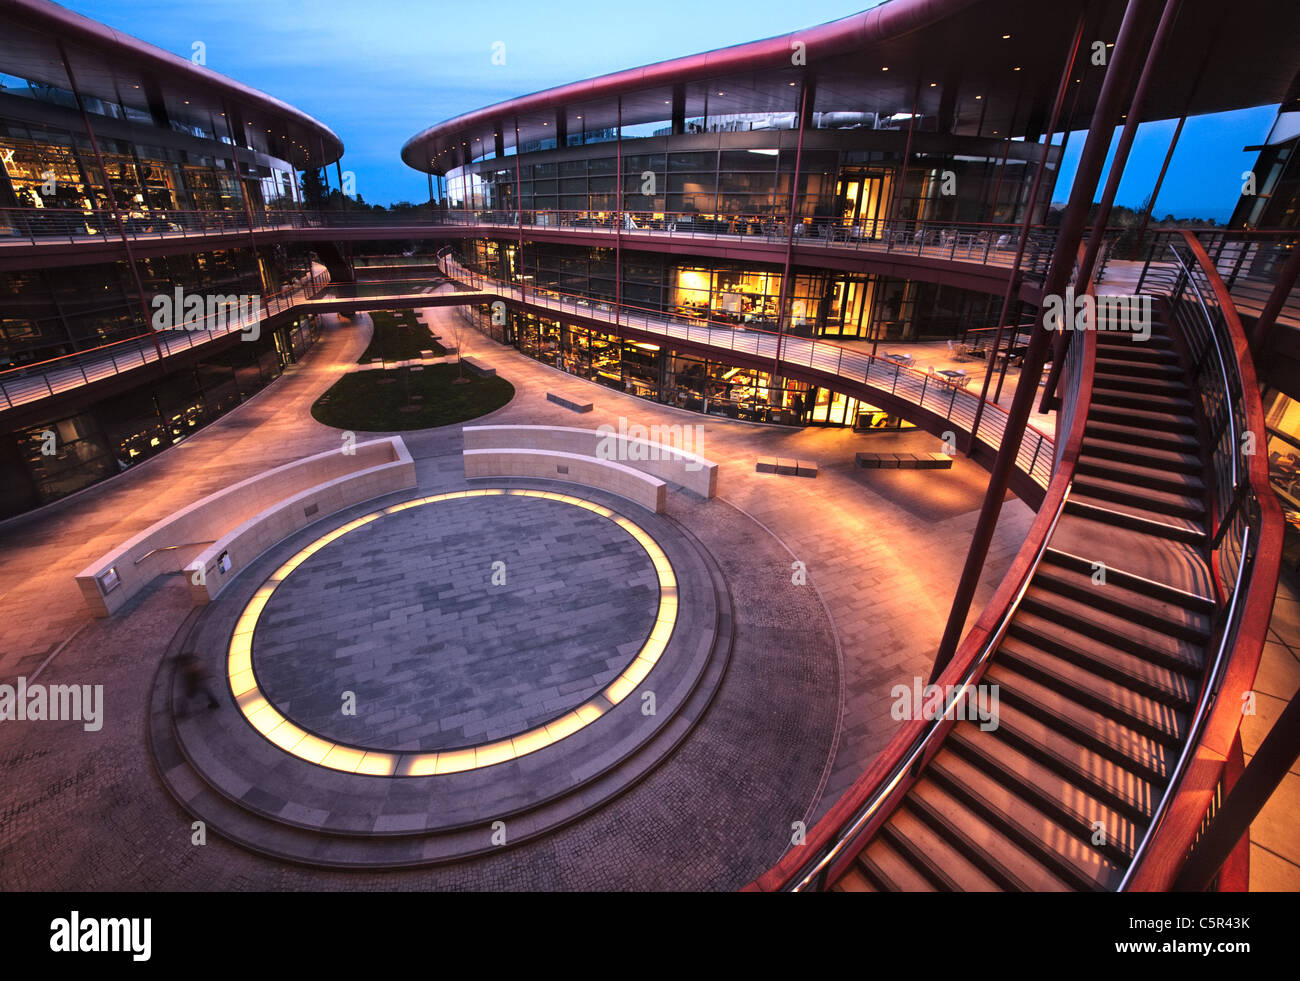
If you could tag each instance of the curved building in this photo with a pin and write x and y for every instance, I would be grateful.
(872, 180)
(130, 173)
(988, 628)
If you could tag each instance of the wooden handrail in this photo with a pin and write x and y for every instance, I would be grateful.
(984, 635)
(1170, 842)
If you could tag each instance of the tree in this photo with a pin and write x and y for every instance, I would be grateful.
(313, 188)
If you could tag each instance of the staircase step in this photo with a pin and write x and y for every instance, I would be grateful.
(1115, 785)
(891, 870)
(1163, 593)
(1087, 620)
(1142, 456)
(1108, 363)
(1065, 856)
(1111, 595)
(1130, 351)
(1159, 502)
(1123, 516)
(853, 881)
(1168, 388)
(1122, 397)
(1105, 737)
(1143, 435)
(1173, 482)
(1167, 422)
(1176, 687)
(982, 843)
(1073, 807)
(1175, 565)
(961, 873)
(1117, 701)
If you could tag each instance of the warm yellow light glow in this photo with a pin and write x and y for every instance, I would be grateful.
(282, 732)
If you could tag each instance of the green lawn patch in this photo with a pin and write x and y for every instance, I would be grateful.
(399, 336)
(401, 399)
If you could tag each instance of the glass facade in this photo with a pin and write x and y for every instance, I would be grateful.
(730, 177)
(45, 314)
(681, 379)
(61, 455)
(821, 304)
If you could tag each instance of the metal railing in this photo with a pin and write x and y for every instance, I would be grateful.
(32, 382)
(1248, 261)
(983, 244)
(1238, 509)
(926, 390)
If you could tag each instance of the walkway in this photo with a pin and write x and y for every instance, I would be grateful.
(84, 808)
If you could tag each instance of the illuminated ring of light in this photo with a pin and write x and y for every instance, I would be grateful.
(266, 718)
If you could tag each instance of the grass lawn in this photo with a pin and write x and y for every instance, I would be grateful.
(399, 336)
(401, 399)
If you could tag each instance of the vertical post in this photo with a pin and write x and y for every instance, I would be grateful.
(1166, 27)
(1155, 191)
(1006, 152)
(789, 231)
(1286, 279)
(112, 200)
(1026, 223)
(243, 193)
(1262, 775)
(618, 233)
(1129, 47)
(519, 205)
(896, 206)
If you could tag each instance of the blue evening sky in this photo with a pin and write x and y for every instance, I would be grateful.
(379, 72)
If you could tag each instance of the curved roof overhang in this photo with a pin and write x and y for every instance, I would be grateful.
(992, 65)
(118, 68)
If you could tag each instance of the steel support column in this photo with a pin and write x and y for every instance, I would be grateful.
(1262, 775)
(1160, 181)
(1286, 279)
(519, 207)
(243, 194)
(112, 201)
(896, 205)
(618, 232)
(789, 233)
(1129, 49)
(1168, 18)
(1063, 86)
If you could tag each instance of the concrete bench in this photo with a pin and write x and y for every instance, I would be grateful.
(569, 403)
(239, 523)
(606, 475)
(903, 461)
(662, 458)
(786, 466)
(478, 368)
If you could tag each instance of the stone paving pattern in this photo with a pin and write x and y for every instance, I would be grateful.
(403, 613)
(883, 549)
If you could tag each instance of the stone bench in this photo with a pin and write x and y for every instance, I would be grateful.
(903, 461)
(239, 523)
(664, 461)
(786, 466)
(606, 475)
(569, 403)
(478, 368)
